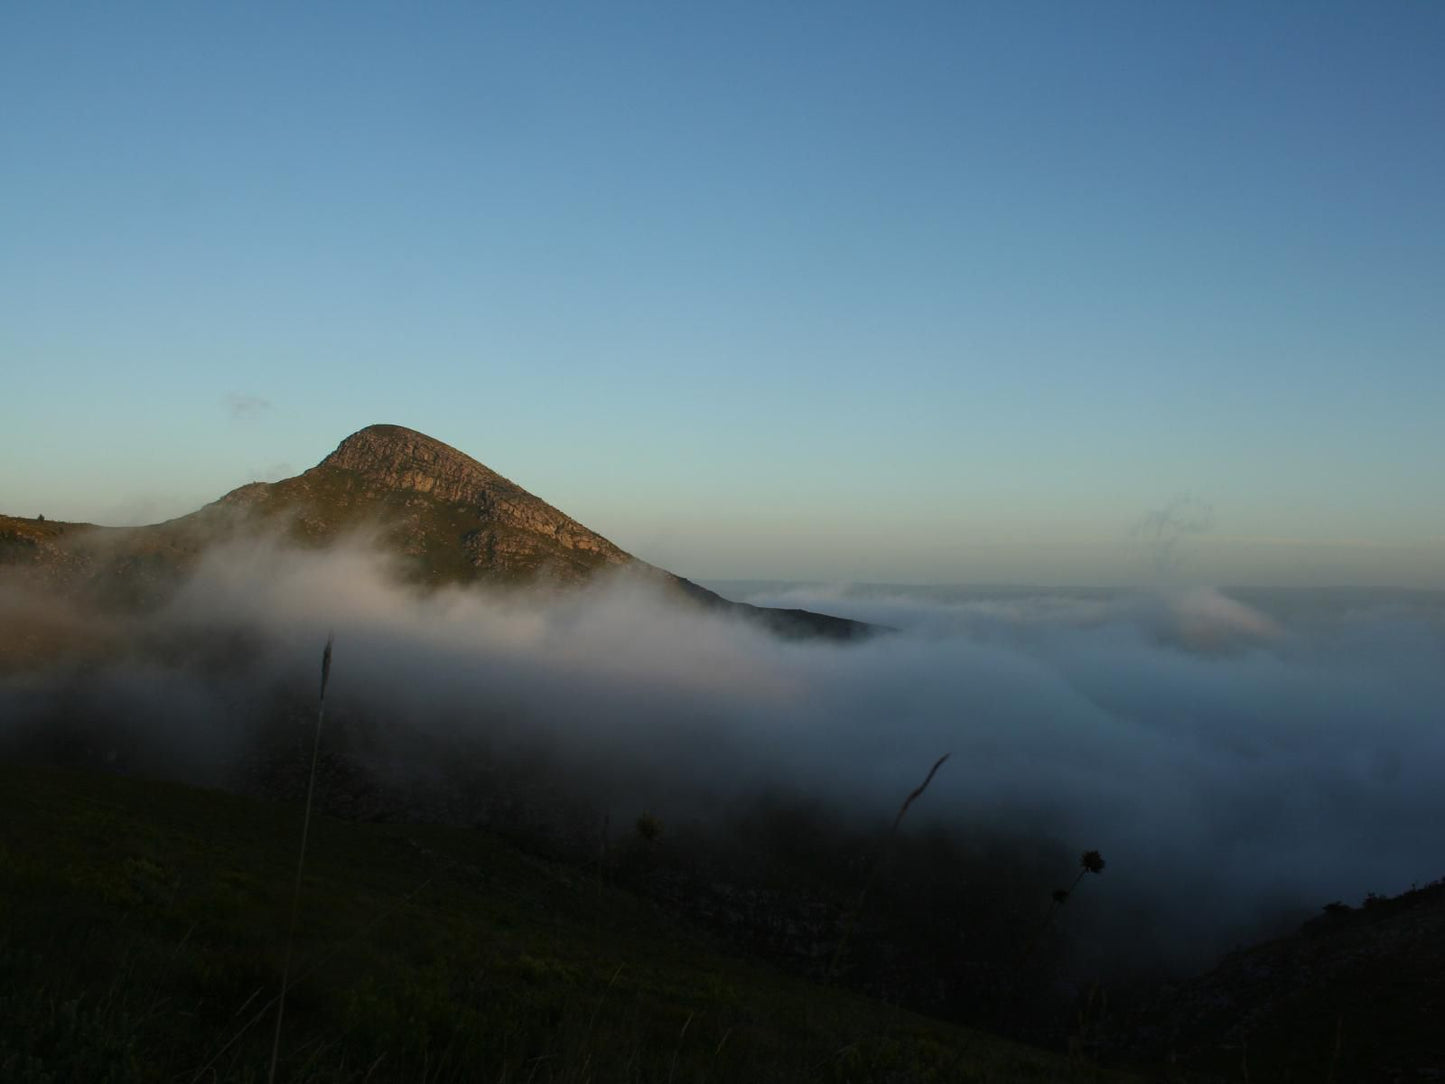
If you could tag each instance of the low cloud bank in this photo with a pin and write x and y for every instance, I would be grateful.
(1232, 757)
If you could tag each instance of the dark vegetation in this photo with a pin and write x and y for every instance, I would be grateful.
(945, 923)
(131, 903)
(144, 928)
(143, 937)
(1358, 993)
(137, 911)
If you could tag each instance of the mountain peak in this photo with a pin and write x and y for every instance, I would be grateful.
(448, 518)
(401, 458)
(498, 524)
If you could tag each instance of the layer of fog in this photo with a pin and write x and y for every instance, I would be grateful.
(1228, 762)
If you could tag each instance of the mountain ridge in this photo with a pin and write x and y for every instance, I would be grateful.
(447, 517)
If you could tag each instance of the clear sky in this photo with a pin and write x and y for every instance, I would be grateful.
(949, 292)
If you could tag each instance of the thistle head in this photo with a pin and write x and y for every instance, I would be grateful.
(1092, 862)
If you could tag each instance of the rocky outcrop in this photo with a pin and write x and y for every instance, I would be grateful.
(42, 552)
(398, 458)
(401, 458)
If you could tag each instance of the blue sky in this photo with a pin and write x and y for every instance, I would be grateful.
(910, 292)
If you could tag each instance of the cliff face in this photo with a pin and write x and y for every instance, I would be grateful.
(515, 531)
(401, 458)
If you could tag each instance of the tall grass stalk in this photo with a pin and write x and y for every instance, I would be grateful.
(301, 859)
(877, 865)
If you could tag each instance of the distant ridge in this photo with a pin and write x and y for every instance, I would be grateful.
(446, 517)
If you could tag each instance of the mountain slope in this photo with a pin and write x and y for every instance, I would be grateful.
(1355, 994)
(144, 936)
(445, 517)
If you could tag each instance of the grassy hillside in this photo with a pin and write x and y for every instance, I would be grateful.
(142, 933)
(1355, 994)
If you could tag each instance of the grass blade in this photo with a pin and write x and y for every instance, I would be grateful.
(301, 859)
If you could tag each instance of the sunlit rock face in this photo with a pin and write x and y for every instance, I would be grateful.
(402, 458)
(515, 531)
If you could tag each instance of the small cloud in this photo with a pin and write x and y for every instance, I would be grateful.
(246, 408)
(1159, 533)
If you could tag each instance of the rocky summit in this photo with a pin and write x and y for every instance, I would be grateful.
(446, 518)
(453, 519)
(518, 528)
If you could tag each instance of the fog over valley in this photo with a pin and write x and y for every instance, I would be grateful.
(1240, 758)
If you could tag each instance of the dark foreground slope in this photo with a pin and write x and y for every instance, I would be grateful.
(142, 930)
(442, 516)
(1356, 994)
